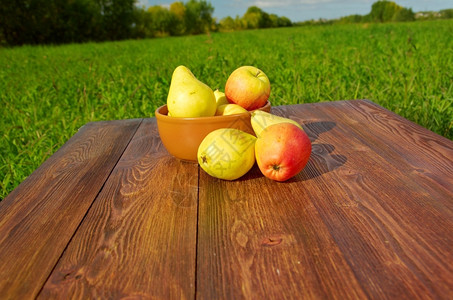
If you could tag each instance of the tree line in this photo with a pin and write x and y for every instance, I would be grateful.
(65, 21)
(74, 21)
(384, 11)
(387, 11)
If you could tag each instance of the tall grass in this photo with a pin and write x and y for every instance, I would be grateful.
(47, 93)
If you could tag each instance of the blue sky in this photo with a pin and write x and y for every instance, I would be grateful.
(301, 10)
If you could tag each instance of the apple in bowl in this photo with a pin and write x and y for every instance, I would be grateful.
(248, 87)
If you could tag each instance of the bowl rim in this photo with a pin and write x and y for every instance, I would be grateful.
(162, 116)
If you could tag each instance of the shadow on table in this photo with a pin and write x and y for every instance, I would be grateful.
(321, 159)
(321, 162)
(315, 129)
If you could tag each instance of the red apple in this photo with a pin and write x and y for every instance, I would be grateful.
(282, 151)
(248, 87)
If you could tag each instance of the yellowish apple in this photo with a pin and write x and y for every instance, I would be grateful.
(230, 109)
(220, 98)
(227, 153)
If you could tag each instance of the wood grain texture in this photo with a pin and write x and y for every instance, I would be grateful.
(39, 217)
(257, 242)
(139, 238)
(112, 215)
(369, 217)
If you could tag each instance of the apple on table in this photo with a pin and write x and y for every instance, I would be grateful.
(282, 151)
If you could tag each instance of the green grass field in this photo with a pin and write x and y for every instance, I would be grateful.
(47, 92)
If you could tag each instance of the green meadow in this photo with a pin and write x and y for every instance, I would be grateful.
(48, 92)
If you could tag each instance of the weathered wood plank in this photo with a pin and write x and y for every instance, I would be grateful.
(139, 238)
(426, 155)
(39, 217)
(260, 239)
(404, 222)
(360, 218)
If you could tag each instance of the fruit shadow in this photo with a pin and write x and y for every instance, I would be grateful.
(315, 129)
(321, 162)
(321, 159)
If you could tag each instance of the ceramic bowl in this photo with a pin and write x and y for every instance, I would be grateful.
(182, 136)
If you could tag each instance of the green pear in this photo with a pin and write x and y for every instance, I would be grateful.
(261, 120)
(220, 98)
(188, 97)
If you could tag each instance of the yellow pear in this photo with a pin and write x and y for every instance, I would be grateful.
(261, 120)
(220, 98)
(188, 97)
(227, 153)
(229, 109)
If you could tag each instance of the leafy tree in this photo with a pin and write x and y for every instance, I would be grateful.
(142, 26)
(284, 22)
(350, 19)
(19, 21)
(240, 23)
(52, 21)
(178, 12)
(274, 20)
(117, 17)
(194, 17)
(252, 17)
(79, 22)
(227, 24)
(404, 15)
(255, 17)
(266, 21)
(160, 20)
(63, 21)
(446, 13)
(384, 11)
(198, 16)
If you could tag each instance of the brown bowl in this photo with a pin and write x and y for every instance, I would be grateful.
(182, 136)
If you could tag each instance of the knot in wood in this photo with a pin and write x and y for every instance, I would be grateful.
(271, 241)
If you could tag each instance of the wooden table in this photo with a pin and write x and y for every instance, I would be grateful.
(112, 215)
